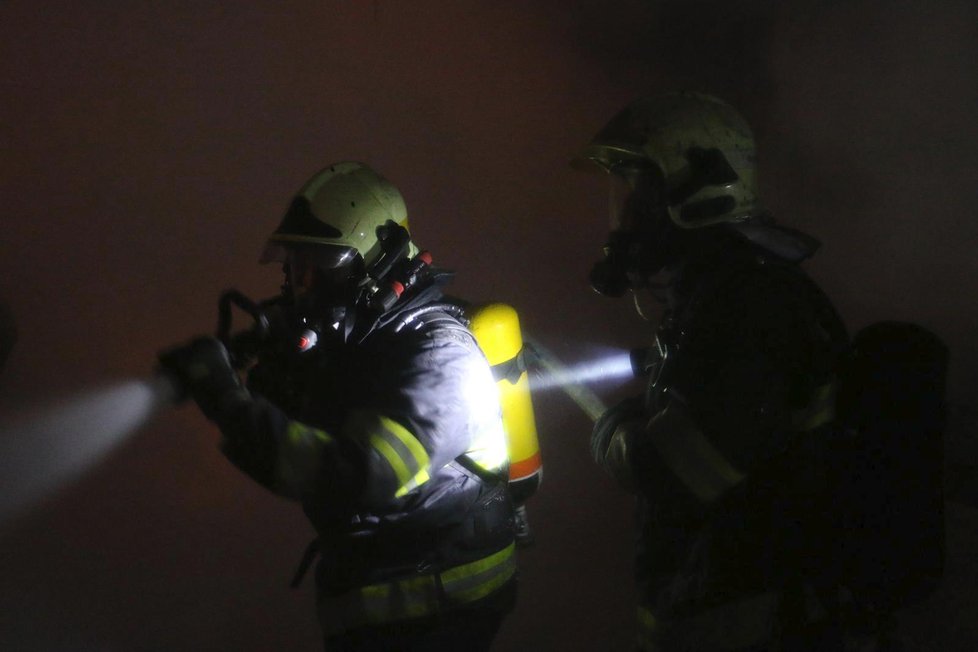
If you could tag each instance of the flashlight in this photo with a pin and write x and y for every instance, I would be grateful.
(639, 359)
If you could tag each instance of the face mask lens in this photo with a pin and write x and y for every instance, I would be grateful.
(635, 196)
(618, 193)
(300, 279)
(315, 288)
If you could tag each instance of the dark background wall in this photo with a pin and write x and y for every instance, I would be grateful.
(146, 150)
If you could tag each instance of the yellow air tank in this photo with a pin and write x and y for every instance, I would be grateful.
(496, 327)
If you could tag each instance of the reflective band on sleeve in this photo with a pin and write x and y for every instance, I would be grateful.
(820, 410)
(416, 597)
(402, 451)
(692, 457)
(300, 457)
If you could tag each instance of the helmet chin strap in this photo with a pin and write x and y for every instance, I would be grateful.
(642, 310)
(649, 295)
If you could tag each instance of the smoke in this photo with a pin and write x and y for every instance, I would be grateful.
(47, 447)
(8, 333)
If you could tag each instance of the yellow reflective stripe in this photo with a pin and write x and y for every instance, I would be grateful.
(690, 455)
(416, 597)
(646, 619)
(820, 410)
(384, 448)
(478, 566)
(300, 435)
(299, 458)
(475, 580)
(403, 452)
(419, 479)
(410, 441)
(410, 598)
(647, 626)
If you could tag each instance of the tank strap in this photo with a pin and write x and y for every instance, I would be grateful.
(312, 551)
(489, 476)
(511, 370)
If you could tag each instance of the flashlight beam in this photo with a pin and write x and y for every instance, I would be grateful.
(561, 376)
(46, 448)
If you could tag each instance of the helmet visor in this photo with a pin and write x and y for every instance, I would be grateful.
(317, 277)
(324, 256)
(635, 197)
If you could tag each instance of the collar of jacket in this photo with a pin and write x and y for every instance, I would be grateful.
(425, 291)
(735, 246)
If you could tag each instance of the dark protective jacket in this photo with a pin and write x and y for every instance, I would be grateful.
(728, 470)
(393, 443)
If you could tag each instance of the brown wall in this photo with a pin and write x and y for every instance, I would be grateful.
(146, 149)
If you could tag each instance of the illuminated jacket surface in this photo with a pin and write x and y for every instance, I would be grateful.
(370, 449)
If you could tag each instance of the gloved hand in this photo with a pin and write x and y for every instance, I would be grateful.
(608, 423)
(202, 369)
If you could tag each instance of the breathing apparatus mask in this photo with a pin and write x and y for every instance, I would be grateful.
(328, 293)
(328, 290)
(641, 241)
(318, 292)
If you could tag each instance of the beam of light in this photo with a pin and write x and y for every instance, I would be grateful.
(571, 379)
(615, 367)
(45, 448)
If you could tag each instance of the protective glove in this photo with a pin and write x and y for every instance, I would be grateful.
(202, 369)
(609, 438)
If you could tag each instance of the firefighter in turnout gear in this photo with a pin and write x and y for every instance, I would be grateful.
(722, 449)
(373, 407)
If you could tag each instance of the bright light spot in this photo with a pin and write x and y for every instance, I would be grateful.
(47, 447)
(614, 366)
(611, 365)
(480, 394)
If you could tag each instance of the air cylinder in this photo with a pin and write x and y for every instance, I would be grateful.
(496, 327)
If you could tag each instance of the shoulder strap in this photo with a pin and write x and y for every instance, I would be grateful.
(487, 476)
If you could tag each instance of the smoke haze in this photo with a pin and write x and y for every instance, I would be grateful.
(149, 148)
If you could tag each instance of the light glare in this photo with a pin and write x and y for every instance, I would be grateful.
(616, 366)
(47, 447)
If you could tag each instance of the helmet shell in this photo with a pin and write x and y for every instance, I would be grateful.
(340, 209)
(676, 132)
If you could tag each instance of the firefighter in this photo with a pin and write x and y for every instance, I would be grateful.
(723, 449)
(375, 409)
